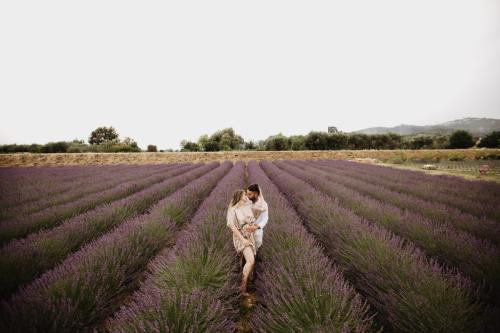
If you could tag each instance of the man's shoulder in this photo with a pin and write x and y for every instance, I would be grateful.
(264, 204)
(261, 204)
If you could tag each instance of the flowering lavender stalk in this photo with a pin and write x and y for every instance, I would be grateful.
(29, 176)
(79, 189)
(438, 212)
(21, 193)
(474, 257)
(410, 292)
(476, 189)
(46, 195)
(191, 287)
(15, 191)
(52, 216)
(51, 173)
(471, 197)
(299, 290)
(24, 259)
(477, 197)
(91, 283)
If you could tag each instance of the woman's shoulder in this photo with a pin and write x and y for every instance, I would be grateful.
(243, 208)
(231, 210)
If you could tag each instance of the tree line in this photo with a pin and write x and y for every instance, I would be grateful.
(106, 139)
(227, 139)
(101, 140)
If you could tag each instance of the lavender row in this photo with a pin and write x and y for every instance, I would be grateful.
(192, 287)
(476, 189)
(435, 211)
(482, 204)
(53, 216)
(16, 192)
(49, 173)
(298, 288)
(410, 292)
(88, 286)
(474, 257)
(52, 171)
(31, 195)
(24, 259)
(22, 225)
(436, 188)
(79, 189)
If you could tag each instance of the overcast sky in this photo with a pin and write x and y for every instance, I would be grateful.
(163, 71)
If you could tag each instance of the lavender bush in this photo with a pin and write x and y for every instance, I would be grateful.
(81, 188)
(52, 216)
(476, 198)
(481, 227)
(24, 259)
(42, 181)
(410, 292)
(299, 290)
(91, 283)
(476, 258)
(192, 287)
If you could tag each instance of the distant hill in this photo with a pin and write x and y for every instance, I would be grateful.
(476, 126)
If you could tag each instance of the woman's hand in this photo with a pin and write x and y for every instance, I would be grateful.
(246, 242)
(251, 227)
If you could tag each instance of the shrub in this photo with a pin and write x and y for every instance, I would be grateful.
(491, 140)
(461, 139)
(102, 134)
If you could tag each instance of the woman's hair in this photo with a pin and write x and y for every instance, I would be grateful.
(236, 197)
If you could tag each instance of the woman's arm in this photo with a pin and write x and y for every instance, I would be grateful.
(237, 232)
(231, 220)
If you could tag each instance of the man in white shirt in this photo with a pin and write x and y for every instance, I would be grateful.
(259, 205)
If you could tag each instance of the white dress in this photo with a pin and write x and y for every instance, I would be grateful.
(241, 215)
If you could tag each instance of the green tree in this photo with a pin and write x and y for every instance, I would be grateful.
(441, 141)
(461, 139)
(55, 147)
(421, 142)
(189, 146)
(130, 142)
(102, 134)
(277, 142)
(250, 145)
(358, 141)
(316, 140)
(227, 139)
(152, 148)
(336, 141)
(297, 142)
(207, 144)
(394, 141)
(491, 140)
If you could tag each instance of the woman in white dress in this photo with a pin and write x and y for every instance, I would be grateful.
(241, 220)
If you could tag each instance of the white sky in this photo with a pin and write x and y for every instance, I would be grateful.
(163, 71)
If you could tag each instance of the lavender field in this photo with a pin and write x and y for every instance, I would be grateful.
(349, 247)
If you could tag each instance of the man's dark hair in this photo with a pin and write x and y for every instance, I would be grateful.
(254, 188)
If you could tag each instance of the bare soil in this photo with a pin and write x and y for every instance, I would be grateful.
(29, 160)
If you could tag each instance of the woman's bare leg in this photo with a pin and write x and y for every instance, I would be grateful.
(250, 260)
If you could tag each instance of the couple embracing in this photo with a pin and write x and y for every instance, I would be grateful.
(247, 215)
